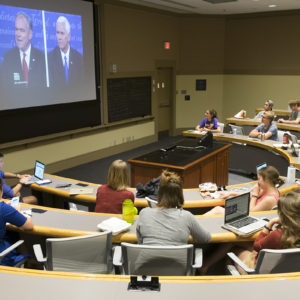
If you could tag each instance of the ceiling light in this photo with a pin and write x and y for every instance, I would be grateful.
(272, 5)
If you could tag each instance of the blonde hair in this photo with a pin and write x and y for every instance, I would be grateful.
(271, 174)
(289, 214)
(170, 193)
(294, 102)
(269, 115)
(118, 175)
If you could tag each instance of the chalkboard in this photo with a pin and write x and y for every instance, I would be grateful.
(128, 98)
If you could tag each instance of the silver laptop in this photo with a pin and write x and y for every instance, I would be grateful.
(39, 170)
(237, 217)
(238, 129)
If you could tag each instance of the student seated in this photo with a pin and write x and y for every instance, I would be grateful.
(264, 195)
(169, 224)
(282, 232)
(266, 128)
(268, 106)
(9, 214)
(110, 196)
(295, 114)
(210, 122)
(9, 192)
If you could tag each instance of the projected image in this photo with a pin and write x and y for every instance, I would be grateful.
(41, 56)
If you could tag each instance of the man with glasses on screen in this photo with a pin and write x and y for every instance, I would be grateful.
(65, 63)
(24, 65)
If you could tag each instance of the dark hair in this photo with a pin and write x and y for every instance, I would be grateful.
(170, 193)
(1, 186)
(289, 214)
(1, 155)
(213, 113)
(271, 174)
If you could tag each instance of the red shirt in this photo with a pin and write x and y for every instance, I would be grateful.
(110, 201)
(268, 241)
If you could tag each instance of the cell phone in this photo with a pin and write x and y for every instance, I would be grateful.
(81, 184)
(63, 186)
(15, 201)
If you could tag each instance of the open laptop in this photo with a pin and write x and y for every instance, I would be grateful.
(237, 217)
(39, 170)
(238, 129)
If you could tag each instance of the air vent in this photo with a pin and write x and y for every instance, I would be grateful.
(219, 1)
(178, 3)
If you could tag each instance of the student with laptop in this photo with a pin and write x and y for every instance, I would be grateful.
(282, 232)
(9, 192)
(264, 195)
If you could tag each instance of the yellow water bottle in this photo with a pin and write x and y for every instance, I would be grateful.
(128, 211)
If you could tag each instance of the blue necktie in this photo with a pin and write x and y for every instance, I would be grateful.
(66, 69)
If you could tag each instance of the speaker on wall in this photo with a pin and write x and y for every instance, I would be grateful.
(200, 84)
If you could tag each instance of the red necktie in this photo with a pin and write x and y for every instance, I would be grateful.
(25, 69)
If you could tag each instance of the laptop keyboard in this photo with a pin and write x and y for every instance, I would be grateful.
(244, 222)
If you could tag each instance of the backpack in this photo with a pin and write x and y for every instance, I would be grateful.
(150, 189)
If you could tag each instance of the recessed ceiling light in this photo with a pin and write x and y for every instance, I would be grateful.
(272, 5)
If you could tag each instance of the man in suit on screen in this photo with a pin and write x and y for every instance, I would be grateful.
(65, 63)
(24, 65)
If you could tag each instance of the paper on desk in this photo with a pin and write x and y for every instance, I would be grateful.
(82, 190)
(115, 225)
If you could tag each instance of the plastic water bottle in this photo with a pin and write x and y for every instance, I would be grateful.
(291, 174)
(234, 131)
(129, 211)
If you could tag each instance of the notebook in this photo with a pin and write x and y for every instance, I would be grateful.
(38, 177)
(237, 217)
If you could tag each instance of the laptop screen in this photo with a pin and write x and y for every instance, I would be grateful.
(39, 170)
(237, 207)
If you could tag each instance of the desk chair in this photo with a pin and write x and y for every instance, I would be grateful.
(157, 260)
(151, 203)
(11, 248)
(85, 254)
(270, 261)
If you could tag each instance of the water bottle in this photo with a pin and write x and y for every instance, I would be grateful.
(262, 137)
(285, 138)
(128, 211)
(234, 131)
(291, 174)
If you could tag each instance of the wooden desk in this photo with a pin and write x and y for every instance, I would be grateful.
(277, 112)
(48, 285)
(254, 122)
(49, 195)
(53, 222)
(245, 140)
(194, 166)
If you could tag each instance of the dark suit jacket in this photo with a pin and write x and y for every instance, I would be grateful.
(57, 71)
(12, 71)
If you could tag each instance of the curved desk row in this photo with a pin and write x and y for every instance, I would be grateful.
(246, 153)
(52, 222)
(277, 112)
(250, 124)
(46, 285)
(53, 196)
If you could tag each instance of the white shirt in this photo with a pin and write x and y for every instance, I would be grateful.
(63, 54)
(27, 57)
